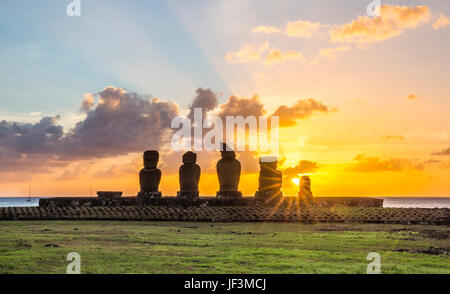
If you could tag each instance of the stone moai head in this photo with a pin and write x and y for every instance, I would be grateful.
(227, 152)
(189, 158)
(151, 159)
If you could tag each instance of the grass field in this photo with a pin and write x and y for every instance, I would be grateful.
(175, 247)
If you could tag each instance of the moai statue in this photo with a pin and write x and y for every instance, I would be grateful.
(229, 173)
(189, 176)
(270, 179)
(305, 195)
(150, 176)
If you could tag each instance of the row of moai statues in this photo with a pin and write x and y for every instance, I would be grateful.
(229, 173)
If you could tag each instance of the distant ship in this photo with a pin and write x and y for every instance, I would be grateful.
(29, 195)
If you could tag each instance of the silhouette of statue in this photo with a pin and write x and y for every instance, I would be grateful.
(270, 179)
(229, 173)
(189, 176)
(305, 195)
(150, 176)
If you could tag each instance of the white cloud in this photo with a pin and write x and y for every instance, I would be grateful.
(441, 22)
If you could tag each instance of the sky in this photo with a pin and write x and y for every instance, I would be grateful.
(363, 99)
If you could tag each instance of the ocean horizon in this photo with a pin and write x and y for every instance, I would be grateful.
(398, 202)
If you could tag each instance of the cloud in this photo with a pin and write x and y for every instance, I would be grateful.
(119, 124)
(432, 161)
(75, 173)
(441, 22)
(266, 30)
(205, 99)
(299, 28)
(445, 165)
(329, 54)
(247, 53)
(370, 164)
(87, 103)
(303, 167)
(245, 107)
(300, 110)
(30, 138)
(276, 56)
(252, 53)
(412, 97)
(302, 28)
(393, 137)
(115, 170)
(27, 148)
(241, 106)
(442, 153)
(392, 22)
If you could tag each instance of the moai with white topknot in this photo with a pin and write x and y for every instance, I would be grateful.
(270, 179)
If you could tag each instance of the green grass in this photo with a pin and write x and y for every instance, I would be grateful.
(182, 247)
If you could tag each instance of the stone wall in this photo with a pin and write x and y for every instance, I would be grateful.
(439, 216)
(205, 201)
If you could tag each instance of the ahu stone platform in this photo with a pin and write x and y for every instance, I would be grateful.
(298, 214)
(213, 209)
(205, 201)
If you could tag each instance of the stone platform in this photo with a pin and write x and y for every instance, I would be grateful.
(256, 213)
(205, 201)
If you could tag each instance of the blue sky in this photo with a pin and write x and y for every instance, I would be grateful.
(49, 60)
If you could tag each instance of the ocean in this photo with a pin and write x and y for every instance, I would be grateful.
(416, 202)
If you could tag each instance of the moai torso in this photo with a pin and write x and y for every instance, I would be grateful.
(150, 175)
(270, 179)
(189, 174)
(229, 172)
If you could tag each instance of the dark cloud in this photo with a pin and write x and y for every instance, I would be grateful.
(367, 164)
(443, 152)
(29, 138)
(373, 164)
(121, 123)
(300, 110)
(205, 99)
(245, 107)
(303, 167)
(29, 147)
(241, 106)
